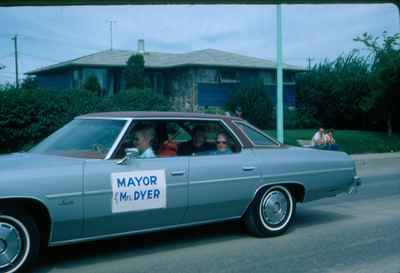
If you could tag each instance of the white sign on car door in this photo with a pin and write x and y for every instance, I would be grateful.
(140, 190)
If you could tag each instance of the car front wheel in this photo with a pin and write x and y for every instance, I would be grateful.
(271, 212)
(19, 241)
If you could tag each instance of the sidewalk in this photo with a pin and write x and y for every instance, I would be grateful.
(364, 157)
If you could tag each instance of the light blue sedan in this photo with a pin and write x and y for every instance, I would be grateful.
(113, 174)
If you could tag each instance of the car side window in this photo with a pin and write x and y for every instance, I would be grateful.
(169, 138)
(256, 137)
(208, 138)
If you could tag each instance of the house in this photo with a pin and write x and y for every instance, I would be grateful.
(196, 79)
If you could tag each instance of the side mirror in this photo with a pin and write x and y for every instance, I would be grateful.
(129, 154)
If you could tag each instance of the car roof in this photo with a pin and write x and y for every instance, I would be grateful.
(150, 114)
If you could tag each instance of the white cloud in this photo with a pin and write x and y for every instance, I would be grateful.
(50, 34)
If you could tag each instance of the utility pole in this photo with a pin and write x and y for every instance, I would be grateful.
(279, 76)
(15, 38)
(111, 22)
(309, 60)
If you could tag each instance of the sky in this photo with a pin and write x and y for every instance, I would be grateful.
(48, 35)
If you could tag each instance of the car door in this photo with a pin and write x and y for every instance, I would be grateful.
(220, 185)
(111, 211)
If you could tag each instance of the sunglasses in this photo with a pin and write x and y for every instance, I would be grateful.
(221, 142)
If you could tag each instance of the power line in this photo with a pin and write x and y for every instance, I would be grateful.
(7, 76)
(62, 43)
(6, 56)
(6, 72)
(39, 57)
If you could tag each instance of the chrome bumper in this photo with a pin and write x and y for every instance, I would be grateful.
(355, 185)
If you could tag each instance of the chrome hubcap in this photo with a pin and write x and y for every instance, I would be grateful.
(3, 246)
(10, 244)
(275, 208)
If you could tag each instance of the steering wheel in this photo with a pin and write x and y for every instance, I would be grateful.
(99, 148)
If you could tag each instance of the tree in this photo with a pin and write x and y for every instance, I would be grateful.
(255, 105)
(93, 85)
(331, 93)
(134, 73)
(29, 83)
(384, 79)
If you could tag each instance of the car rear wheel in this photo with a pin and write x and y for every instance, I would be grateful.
(19, 241)
(271, 212)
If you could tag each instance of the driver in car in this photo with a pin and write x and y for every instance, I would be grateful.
(143, 138)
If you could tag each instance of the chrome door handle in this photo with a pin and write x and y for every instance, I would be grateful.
(176, 173)
(248, 168)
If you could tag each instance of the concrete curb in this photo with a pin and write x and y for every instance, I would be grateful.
(365, 157)
(366, 161)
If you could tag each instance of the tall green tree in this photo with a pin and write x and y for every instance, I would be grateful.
(92, 84)
(384, 79)
(134, 72)
(331, 93)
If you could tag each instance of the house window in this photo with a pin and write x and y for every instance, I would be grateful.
(228, 76)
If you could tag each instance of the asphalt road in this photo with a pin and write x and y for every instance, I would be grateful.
(359, 233)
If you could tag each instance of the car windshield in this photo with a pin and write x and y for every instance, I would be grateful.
(83, 138)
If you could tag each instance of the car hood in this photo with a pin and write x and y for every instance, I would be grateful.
(23, 162)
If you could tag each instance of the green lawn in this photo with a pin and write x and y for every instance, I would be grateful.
(352, 142)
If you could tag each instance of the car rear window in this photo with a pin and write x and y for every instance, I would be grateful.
(255, 136)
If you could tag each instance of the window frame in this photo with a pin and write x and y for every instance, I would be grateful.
(275, 142)
(131, 123)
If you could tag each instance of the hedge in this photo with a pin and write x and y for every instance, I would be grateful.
(28, 116)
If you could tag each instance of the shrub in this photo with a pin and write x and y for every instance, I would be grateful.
(255, 104)
(92, 84)
(134, 72)
(28, 116)
(138, 100)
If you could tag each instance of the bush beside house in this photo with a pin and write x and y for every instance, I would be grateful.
(29, 115)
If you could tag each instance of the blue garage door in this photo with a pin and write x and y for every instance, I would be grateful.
(211, 94)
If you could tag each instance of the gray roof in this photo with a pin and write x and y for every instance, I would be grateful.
(206, 57)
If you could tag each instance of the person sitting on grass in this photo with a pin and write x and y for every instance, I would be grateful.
(318, 140)
(330, 141)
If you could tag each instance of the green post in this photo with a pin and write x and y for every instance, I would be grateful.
(279, 76)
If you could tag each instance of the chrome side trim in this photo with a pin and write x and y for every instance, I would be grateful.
(98, 192)
(68, 242)
(177, 185)
(107, 191)
(272, 184)
(117, 141)
(41, 202)
(199, 119)
(120, 135)
(275, 183)
(277, 144)
(62, 195)
(306, 172)
(233, 133)
(223, 180)
(355, 185)
(108, 118)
